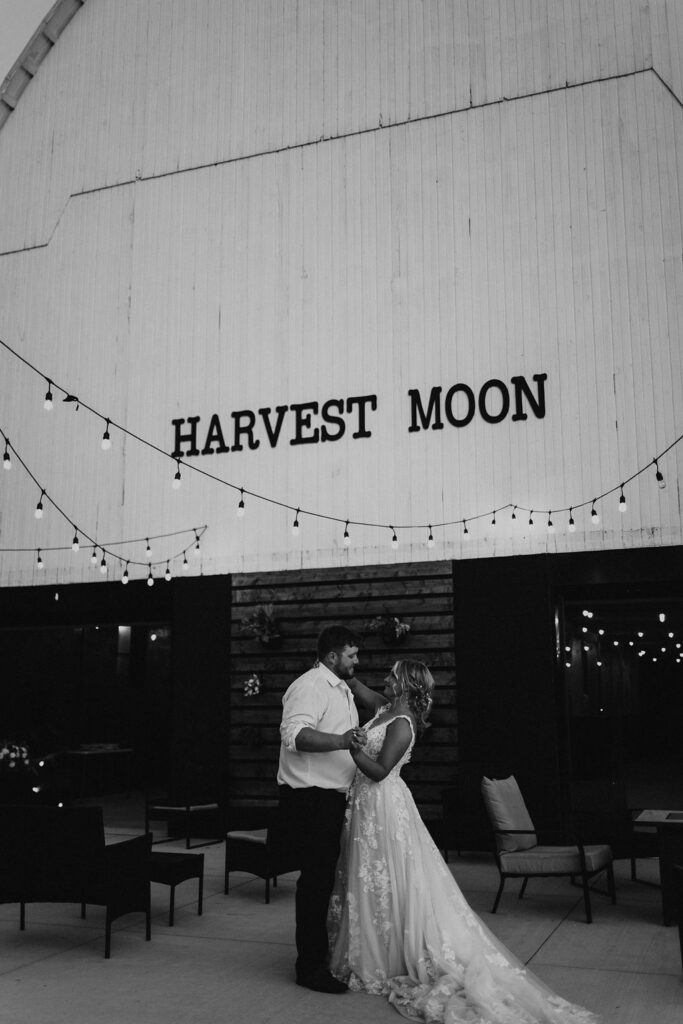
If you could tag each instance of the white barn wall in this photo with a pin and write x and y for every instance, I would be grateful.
(364, 217)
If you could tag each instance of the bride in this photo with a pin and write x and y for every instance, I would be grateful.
(399, 924)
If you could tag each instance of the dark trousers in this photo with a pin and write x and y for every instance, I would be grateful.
(313, 819)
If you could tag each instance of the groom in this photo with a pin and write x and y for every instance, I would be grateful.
(319, 726)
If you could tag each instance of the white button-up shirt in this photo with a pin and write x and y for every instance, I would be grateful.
(317, 700)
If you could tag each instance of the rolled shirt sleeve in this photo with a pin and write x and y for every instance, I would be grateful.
(302, 708)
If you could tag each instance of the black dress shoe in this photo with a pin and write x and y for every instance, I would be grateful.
(322, 981)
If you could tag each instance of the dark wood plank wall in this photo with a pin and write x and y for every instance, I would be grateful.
(304, 602)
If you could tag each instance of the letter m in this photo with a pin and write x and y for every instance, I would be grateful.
(417, 410)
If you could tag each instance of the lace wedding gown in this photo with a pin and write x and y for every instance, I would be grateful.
(400, 926)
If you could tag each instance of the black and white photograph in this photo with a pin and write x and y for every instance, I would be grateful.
(341, 528)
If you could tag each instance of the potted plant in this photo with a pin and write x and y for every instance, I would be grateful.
(262, 625)
(389, 628)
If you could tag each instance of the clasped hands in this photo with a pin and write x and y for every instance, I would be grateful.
(355, 739)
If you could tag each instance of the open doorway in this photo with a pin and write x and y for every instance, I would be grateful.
(621, 652)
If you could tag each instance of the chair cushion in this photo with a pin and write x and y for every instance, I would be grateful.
(506, 809)
(258, 835)
(554, 860)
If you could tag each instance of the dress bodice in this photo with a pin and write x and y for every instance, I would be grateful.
(376, 733)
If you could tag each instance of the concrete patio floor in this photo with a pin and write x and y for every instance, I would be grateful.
(235, 962)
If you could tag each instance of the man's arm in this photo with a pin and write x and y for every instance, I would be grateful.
(313, 741)
(366, 697)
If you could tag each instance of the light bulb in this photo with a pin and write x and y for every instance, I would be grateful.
(394, 539)
(659, 476)
(124, 578)
(47, 404)
(240, 507)
(75, 543)
(347, 539)
(39, 561)
(106, 440)
(148, 551)
(572, 525)
(594, 514)
(531, 518)
(295, 524)
(167, 574)
(430, 539)
(103, 566)
(150, 578)
(176, 478)
(186, 564)
(622, 500)
(197, 550)
(514, 513)
(599, 664)
(551, 528)
(465, 531)
(93, 557)
(662, 617)
(6, 460)
(641, 634)
(493, 521)
(39, 507)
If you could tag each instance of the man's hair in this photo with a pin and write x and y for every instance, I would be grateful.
(336, 638)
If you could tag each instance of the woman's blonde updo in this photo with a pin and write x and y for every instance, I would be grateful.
(416, 683)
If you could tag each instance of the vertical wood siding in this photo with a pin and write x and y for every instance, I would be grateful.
(285, 202)
(306, 602)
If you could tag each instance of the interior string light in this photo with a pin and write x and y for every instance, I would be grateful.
(6, 459)
(148, 550)
(106, 439)
(295, 524)
(75, 543)
(531, 518)
(39, 561)
(514, 512)
(551, 528)
(124, 578)
(240, 507)
(622, 500)
(465, 531)
(430, 538)
(93, 557)
(39, 507)
(176, 478)
(186, 564)
(167, 574)
(493, 520)
(103, 565)
(594, 512)
(150, 578)
(571, 526)
(48, 401)
(346, 539)
(197, 549)
(659, 476)
(394, 538)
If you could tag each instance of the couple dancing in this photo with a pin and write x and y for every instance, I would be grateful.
(377, 909)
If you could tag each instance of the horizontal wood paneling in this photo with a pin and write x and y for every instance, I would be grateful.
(302, 612)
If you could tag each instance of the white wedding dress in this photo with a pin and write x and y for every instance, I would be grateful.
(400, 926)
